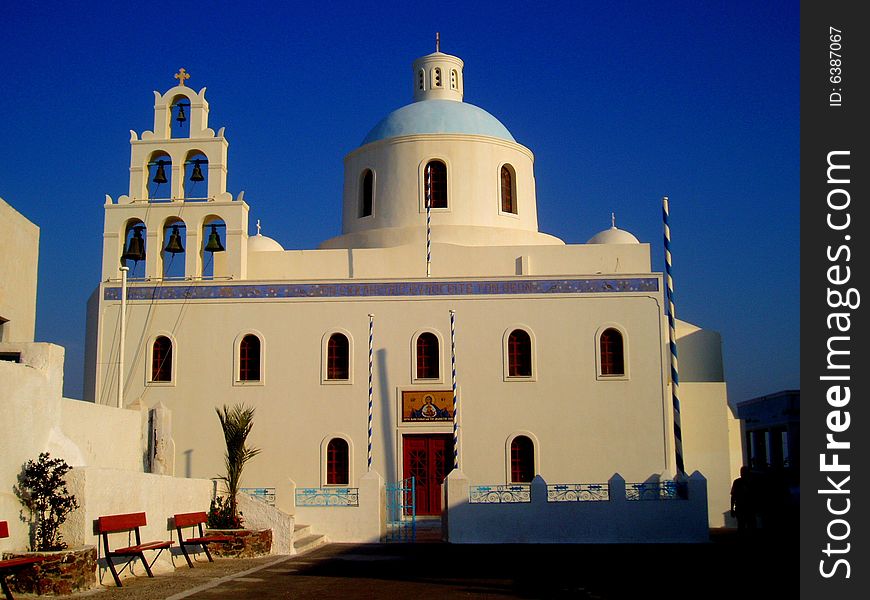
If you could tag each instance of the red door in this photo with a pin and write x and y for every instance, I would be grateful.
(428, 458)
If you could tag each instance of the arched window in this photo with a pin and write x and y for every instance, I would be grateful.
(421, 80)
(436, 184)
(161, 359)
(522, 460)
(249, 358)
(337, 357)
(508, 191)
(453, 79)
(428, 357)
(436, 77)
(519, 354)
(367, 194)
(337, 464)
(612, 357)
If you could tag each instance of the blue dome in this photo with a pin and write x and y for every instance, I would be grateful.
(438, 116)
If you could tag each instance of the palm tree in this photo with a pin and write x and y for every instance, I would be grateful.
(236, 423)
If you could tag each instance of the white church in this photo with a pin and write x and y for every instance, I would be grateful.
(441, 329)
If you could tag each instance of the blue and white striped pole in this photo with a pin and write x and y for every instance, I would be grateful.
(428, 220)
(672, 332)
(453, 371)
(371, 360)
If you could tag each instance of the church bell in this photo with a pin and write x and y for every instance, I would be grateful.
(135, 247)
(181, 118)
(160, 176)
(173, 246)
(196, 175)
(214, 241)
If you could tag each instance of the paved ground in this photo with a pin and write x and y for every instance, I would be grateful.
(728, 566)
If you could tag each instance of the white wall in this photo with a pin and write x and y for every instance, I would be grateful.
(103, 492)
(365, 523)
(611, 521)
(19, 249)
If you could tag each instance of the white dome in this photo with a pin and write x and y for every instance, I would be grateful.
(261, 243)
(614, 235)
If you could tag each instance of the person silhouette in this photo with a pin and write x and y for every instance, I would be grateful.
(743, 500)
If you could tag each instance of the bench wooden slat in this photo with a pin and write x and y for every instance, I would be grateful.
(115, 523)
(190, 519)
(139, 548)
(12, 563)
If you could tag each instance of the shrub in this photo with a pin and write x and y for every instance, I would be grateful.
(220, 515)
(42, 489)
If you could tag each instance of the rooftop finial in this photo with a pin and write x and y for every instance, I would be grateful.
(181, 76)
(613, 220)
(437, 41)
(258, 226)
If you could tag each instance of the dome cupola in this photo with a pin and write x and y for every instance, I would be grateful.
(442, 166)
(614, 235)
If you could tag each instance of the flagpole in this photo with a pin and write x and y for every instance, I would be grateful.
(672, 334)
(122, 336)
(371, 361)
(428, 220)
(453, 371)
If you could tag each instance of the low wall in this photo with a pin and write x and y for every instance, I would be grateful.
(111, 491)
(616, 520)
(365, 523)
(259, 515)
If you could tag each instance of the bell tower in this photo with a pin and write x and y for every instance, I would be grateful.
(178, 206)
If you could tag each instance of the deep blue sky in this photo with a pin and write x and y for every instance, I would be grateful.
(621, 102)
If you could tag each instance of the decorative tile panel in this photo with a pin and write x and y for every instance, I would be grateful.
(222, 291)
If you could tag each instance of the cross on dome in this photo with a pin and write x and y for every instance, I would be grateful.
(181, 76)
(258, 226)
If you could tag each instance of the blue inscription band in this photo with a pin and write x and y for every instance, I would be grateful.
(222, 291)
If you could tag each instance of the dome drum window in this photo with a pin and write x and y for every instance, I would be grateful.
(507, 179)
(436, 184)
(366, 200)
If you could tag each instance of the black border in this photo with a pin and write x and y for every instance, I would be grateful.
(826, 128)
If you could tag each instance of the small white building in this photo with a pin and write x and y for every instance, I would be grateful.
(561, 350)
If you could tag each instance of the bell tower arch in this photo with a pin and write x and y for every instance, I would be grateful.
(178, 175)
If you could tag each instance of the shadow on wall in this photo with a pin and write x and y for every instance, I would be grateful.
(700, 356)
(386, 417)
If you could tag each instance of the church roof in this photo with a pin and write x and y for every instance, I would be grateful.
(438, 116)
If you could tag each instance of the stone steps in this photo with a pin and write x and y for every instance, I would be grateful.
(304, 539)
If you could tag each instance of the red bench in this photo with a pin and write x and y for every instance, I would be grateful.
(13, 564)
(196, 520)
(129, 522)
